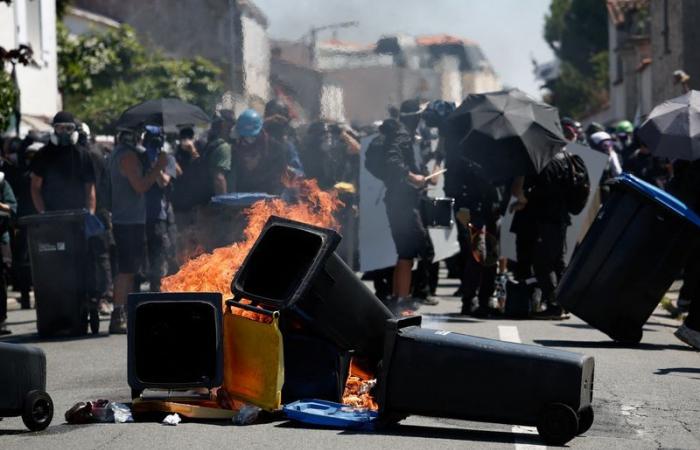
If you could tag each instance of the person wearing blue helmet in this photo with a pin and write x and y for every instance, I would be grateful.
(259, 159)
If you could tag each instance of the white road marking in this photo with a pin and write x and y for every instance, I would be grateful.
(510, 333)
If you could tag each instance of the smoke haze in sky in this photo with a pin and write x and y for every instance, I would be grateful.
(508, 31)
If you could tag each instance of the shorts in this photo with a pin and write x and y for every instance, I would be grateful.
(410, 235)
(131, 245)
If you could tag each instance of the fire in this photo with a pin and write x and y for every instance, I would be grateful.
(358, 388)
(213, 272)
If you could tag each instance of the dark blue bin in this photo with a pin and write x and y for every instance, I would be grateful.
(627, 261)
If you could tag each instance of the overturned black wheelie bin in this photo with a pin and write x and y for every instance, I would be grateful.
(629, 258)
(23, 385)
(293, 268)
(444, 374)
(58, 253)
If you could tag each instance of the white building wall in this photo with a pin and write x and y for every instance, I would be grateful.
(35, 21)
(256, 58)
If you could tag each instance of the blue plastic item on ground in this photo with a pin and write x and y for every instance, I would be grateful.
(330, 414)
(241, 199)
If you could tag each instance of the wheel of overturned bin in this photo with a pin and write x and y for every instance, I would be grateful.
(585, 420)
(94, 321)
(558, 424)
(37, 410)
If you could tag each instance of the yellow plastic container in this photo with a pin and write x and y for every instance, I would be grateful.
(253, 360)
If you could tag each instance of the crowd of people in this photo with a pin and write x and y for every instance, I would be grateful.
(542, 214)
(148, 188)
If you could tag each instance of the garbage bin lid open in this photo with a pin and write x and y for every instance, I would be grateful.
(660, 197)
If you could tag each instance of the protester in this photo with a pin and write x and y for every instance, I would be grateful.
(543, 197)
(217, 153)
(17, 157)
(157, 208)
(685, 185)
(62, 176)
(624, 139)
(8, 208)
(99, 273)
(330, 154)
(603, 142)
(404, 180)
(259, 160)
(130, 181)
(278, 125)
(641, 163)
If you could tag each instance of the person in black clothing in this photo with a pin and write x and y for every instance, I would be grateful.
(641, 163)
(685, 185)
(16, 162)
(404, 180)
(62, 176)
(543, 198)
(8, 207)
(330, 154)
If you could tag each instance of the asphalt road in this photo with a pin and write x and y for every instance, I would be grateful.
(645, 397)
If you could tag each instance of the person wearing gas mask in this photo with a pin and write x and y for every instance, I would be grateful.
(330, 154)
(62, 176)
(260, 161)
(278, 125)
(405, 181)
(157, 208)
(130, 178)
(8, 208)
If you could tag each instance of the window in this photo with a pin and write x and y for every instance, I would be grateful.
(33, 26)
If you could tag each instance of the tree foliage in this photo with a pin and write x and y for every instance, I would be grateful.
(8, 99)
(101, 75)
(577, 32)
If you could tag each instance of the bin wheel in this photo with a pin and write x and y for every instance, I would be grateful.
(94, 321)
(585, 420)
(37, 410)
(557, 424)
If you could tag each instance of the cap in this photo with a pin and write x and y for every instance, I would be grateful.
(63, 117)
(600, 136)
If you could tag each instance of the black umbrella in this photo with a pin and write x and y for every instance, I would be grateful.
(507, 133)
(673, 128)
(166, 112)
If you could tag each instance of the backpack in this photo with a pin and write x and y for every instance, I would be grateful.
(578, 183)
(375, 157)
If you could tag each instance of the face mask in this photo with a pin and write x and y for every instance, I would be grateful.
(64, 139)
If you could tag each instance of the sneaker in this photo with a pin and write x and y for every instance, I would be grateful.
(553, 312)
(105, 307)
(689, 336)
(4, 331)
(429, 301)
(117, 324)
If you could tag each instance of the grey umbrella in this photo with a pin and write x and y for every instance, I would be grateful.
(673, 128)
(507, 133)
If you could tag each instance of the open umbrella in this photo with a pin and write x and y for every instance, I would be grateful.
(166, 112)
(507, 133)
(673, 128)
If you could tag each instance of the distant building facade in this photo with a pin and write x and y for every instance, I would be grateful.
(232, 33)
(33, 23)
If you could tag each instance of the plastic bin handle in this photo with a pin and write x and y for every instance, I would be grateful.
(233, 303)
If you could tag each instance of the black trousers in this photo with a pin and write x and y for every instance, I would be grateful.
(3, 294)
(548, 257)
(158, 246)
(525, 250)
(22, 272)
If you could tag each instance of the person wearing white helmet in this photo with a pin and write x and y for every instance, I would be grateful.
(605, 143)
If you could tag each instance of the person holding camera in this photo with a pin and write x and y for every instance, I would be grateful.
(130, 181)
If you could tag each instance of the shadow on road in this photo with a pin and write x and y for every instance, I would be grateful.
(455, 434)
(34, 338)
(679, 370)
(609, 344)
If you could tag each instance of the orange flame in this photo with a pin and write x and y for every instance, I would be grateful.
(213, 272)
(358, 388)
